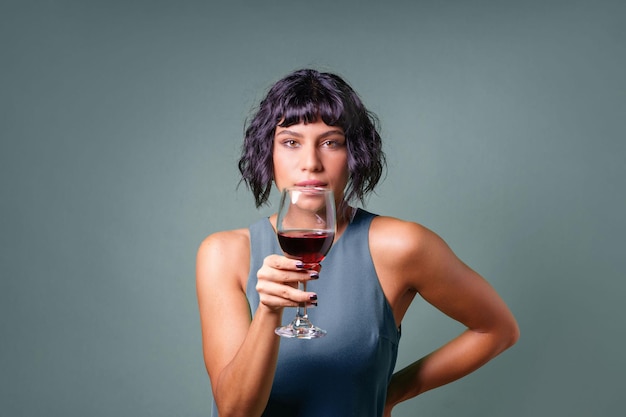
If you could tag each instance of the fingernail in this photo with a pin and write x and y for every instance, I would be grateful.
(314, 275)
(313, 297)
(299, 264)
(313, 304)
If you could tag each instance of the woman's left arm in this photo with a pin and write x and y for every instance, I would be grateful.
(425, 264)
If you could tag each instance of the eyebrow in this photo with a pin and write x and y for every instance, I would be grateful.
(323, 135)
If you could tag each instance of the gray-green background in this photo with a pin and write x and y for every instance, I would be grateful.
(120, 127)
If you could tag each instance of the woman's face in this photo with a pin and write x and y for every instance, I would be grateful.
(312, 154)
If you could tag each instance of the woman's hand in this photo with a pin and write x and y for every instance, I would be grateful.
(278, 280)
(240, 350)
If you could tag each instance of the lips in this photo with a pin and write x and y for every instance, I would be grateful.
(311, 183)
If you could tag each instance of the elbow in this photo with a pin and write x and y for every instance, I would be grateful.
(235, 410)
(236, 406)
(510, 334)
(504, 335)
(516, 335)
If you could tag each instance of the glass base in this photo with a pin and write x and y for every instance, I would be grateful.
(300, 328)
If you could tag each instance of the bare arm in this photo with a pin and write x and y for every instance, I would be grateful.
(240, 351)
(423, 263)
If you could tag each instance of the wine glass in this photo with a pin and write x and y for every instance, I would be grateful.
(305, 227)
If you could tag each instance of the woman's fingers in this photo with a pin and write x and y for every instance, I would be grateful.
(278, 279)
(282, 269)
(280, 295)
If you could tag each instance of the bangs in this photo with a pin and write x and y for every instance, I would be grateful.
(309, 96)
(316, 104)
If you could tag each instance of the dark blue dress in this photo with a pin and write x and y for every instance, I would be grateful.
(345, 373)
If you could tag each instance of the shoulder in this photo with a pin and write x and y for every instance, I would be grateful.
(404, 238)
(224, 240)
(224, 254)
(410, 249)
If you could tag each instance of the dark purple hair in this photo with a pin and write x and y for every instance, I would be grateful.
(307, 96)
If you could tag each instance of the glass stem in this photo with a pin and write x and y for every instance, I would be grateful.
(301, 311)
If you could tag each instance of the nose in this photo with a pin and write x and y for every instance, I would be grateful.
(310, 159)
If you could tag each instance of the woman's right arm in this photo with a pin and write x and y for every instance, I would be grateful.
(240, 351)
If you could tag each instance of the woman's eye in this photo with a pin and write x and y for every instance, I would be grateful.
(290, 143)
(331, 144)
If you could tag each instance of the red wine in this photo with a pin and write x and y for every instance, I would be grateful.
(309, 247)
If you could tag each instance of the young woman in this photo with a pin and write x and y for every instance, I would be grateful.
(312, 129)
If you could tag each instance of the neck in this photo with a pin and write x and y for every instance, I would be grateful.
(344, 216)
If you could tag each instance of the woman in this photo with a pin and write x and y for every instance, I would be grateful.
(312, 129)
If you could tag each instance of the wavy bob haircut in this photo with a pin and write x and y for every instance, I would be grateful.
(307, 96)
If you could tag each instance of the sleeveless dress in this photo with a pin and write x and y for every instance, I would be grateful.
(345, 373)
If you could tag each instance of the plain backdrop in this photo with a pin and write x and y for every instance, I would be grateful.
(121, 124)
